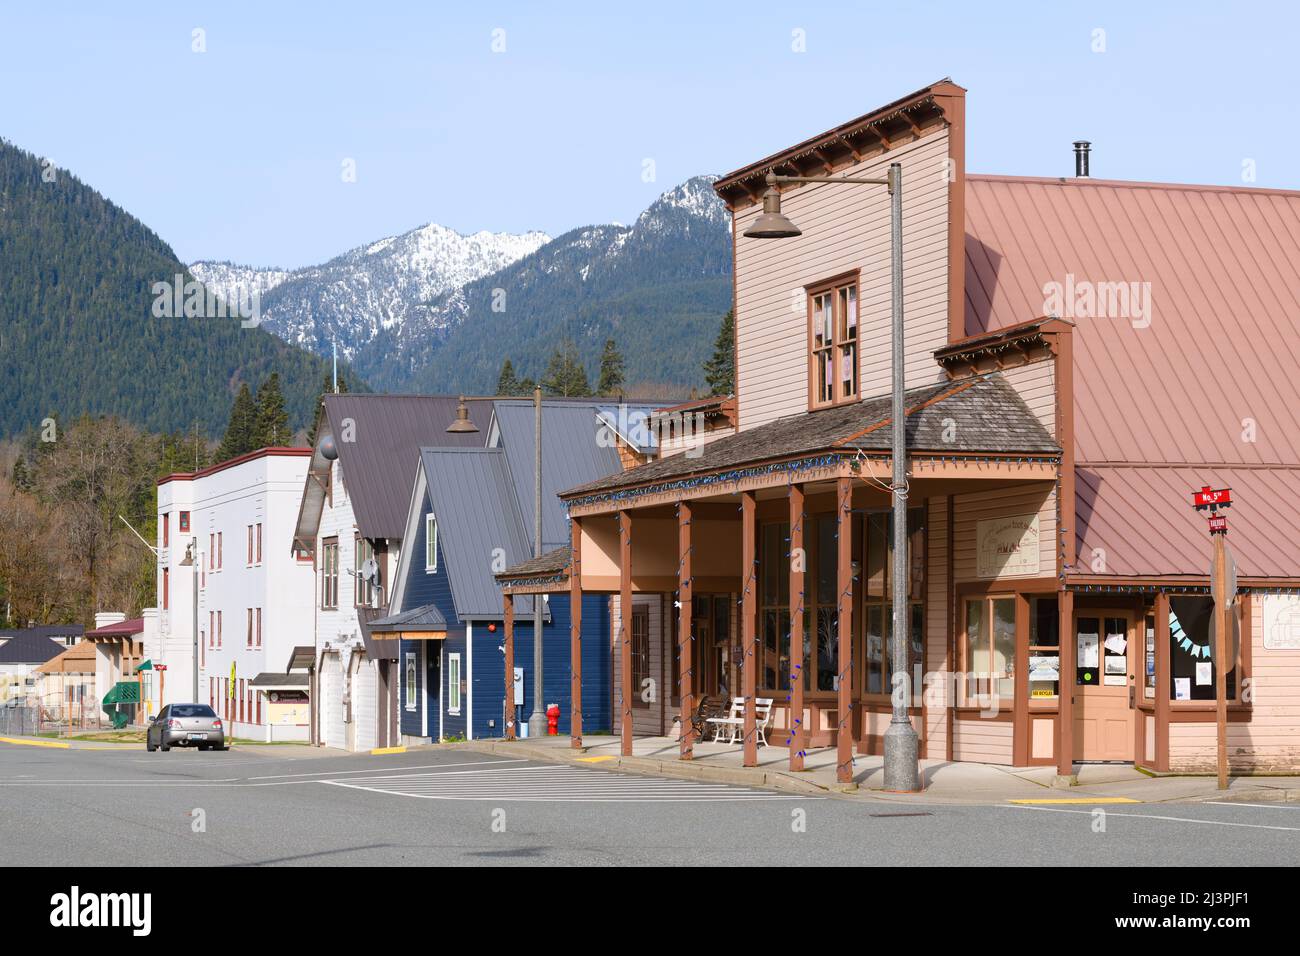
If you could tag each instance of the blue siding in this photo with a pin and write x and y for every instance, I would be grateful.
(454, 725)
(424, 587)
(489, 667)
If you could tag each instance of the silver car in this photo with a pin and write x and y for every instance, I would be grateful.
(185, 725)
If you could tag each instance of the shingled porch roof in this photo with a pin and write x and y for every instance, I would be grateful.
(989, 415)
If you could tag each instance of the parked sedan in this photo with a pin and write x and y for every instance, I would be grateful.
(185, 725)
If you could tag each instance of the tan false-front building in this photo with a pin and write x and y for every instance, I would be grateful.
(1066, 393)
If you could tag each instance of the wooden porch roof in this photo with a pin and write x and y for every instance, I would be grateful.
(989, 415)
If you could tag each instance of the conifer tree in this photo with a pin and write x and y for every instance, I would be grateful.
(507, 383)
(720, 368)
(241, 431)
(565, 375)
(272, 426)
(611, 370)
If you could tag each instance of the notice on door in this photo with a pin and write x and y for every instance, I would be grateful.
(1089, 645)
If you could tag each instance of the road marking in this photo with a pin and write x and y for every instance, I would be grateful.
(554, 784)
(600, 759)
(387, 750)
(427, 766)
(1152, 816)
(1261, 806)
(53, 744)
(1084, 800)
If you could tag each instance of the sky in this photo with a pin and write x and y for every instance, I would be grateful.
(301, 130)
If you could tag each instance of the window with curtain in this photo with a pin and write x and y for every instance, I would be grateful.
(988, 652)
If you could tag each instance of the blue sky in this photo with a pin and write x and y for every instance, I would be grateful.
(237, 153)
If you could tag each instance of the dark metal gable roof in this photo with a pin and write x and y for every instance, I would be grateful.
(30, 646)
(389, 431)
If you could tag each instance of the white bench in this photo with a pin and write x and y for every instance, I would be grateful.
(732, 727)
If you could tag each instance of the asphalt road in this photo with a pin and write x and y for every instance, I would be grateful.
(272, 806)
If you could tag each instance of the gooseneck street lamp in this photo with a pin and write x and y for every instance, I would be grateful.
(901, 745)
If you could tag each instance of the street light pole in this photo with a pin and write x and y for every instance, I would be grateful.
(902, 772)
(537, 719)
(191, 561)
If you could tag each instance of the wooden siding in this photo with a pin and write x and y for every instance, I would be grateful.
(936, 627)
(1036, 384)
(652, 719)
(982, 741)
(1031, 497)
(844, 228)
(1270, 740)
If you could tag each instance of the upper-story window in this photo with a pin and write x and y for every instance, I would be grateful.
(430, 543)
(259, 543)
(184, 522)
(166, 529)
(329, 572)
(833, 342)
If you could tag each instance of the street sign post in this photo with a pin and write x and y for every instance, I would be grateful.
(1223, 589)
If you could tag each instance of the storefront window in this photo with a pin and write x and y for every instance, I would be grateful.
(1149, 659)
(1044, 648)
(878, 595)
(988, 651)
(1191, 649)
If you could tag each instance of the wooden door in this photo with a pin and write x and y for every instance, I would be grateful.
(1106, 653)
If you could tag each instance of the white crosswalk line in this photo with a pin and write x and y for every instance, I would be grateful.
(552, 784)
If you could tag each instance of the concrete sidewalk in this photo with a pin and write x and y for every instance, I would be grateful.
(944, 782)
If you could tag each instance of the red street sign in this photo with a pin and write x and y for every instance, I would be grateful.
(160, 667)
(1218, 524)
(1206, 498)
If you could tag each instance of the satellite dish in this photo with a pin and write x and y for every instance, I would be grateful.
(328, 449)
(370, 571)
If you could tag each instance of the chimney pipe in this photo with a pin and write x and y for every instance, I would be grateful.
(1081, 149)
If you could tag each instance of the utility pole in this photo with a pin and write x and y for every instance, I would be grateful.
(537, 719)
(1221, 625)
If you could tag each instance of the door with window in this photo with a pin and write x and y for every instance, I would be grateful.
(1105, 684)
(711, 628)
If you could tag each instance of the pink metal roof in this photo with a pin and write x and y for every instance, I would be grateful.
(127, 628)
(1220, 356)
(1141, 520)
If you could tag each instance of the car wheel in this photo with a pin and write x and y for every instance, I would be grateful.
(150, 747)
(164, 747)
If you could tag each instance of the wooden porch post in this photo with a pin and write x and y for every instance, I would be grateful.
(748, 621)
(1065, 700)
(844, 629)
(510, 666)
(1160, 759)
(798, 732)
(575, 633)
(686, 690)
(625, 625)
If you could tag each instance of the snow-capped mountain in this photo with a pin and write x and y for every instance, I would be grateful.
(436, 311)
(382, 285)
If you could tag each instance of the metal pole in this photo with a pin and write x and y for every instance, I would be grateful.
(1221, 624)
(194, 569)
(537, 720)
(901, 745)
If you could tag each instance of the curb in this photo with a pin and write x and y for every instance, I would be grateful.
(651, 766)
(1263, 795)
(53, 744)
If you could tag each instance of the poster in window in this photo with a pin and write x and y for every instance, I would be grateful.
(1007, 546)
(1044, 667)
(1281, 621)
(1088, 648)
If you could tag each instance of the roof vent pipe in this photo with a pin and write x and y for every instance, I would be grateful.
(1081, 149)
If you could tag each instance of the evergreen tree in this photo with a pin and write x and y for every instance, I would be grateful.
(507, 383)
(272, 426)
(565, 375)
(611, 370)
(720, 368)
(241, 431)
(526, 386)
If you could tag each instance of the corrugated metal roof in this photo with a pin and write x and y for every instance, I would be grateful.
(1140, 520)
(631, 423)
(1169, 401)
(474, 500)
(571, 455)
(1224, 271)
(425, 617)
(389, 431)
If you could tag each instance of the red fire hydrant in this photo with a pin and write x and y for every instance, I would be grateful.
(553, 719)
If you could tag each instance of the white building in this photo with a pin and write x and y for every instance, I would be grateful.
(231, 527)
(353, 509)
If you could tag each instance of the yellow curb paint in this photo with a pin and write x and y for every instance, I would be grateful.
(35, 743)
(389, 750)
(601, 759)
(1084, 800)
